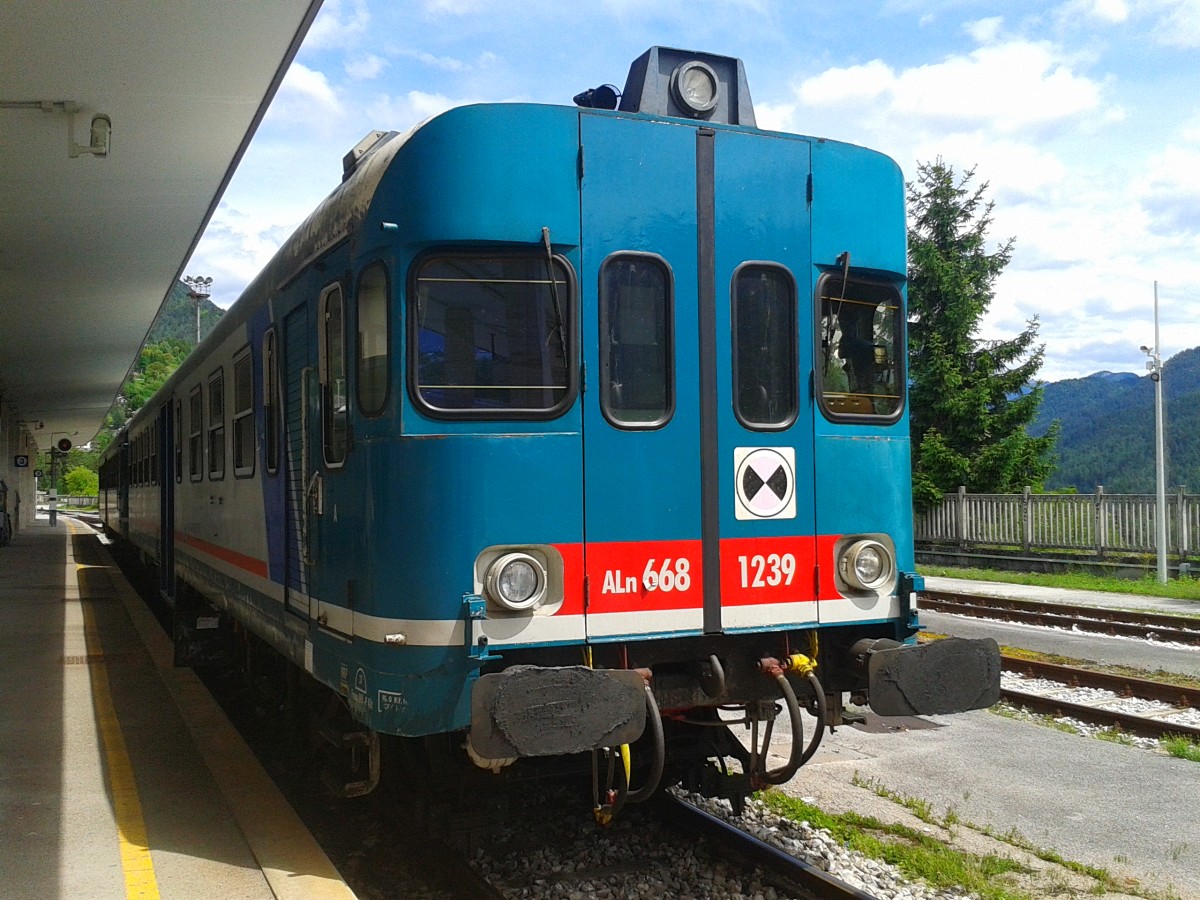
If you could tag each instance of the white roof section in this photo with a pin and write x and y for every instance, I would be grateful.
(91, 244)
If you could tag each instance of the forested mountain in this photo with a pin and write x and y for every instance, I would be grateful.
(1107, 433)
(177, 317)
(172, 337)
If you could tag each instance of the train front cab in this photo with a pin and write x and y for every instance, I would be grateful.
(603, 447)
(734, 507)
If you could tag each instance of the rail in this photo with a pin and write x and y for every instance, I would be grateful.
(1100, 711)
(1100, 523)
(684, 816)
(1094, 620)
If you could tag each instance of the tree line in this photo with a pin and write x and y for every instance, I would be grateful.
(170, 339)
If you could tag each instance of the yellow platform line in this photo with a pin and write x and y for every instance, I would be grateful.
(292, 862)
(140, 883)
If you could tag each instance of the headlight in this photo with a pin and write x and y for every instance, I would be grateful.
(695, 87)
(516, 581)
(866, 565)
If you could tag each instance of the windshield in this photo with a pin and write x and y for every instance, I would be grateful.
(491, 336)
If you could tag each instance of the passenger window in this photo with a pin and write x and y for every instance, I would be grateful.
(491, 337)
(858, 368)
(765, 366)
(333, 377)
(637, 378)
(177, 430)
(216, 425)
(195, 429)
(243, 415)
(373, 340)
(270, 401)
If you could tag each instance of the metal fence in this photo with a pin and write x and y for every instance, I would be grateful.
(43, 499)
(1100, 523)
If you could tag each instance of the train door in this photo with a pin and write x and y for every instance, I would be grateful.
(123, 478)
(763, 265)
(297, 382)
(642, 474)
(168, 448)
(698, 494)
(329, 445)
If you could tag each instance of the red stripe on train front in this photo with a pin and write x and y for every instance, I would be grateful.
(668, 575)
(646, 575)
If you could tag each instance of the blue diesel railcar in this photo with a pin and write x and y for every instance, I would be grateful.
(555, 430)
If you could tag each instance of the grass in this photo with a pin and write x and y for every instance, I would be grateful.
(1177, 589)
(1161, 676)
(1182, 747)
(927, 857)
(1175, 745)
(914, 853)
(1008, 711)
(1114, 736)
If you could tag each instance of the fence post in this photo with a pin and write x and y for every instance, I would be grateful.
(1180, 525)
(1099, 505)
(962, 517)
(1026, 518)
(1185, 516)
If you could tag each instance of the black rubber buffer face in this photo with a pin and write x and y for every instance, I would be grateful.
(536, 711)
(946, 676)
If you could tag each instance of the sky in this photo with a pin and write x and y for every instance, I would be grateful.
(1082, 117)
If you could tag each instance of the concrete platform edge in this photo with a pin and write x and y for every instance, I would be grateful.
(295, 866)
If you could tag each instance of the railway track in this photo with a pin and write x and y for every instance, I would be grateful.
(668, 847)
(1148, 626)
(739, 844)
(1099, 711)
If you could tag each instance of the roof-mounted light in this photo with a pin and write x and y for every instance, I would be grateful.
(695, 87)
(665, 81)
(604, 97)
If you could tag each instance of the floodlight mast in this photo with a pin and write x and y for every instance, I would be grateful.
(1160, 466)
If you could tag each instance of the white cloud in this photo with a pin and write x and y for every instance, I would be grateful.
(338, 25)
(366, 67)
(867, 82)
(304, 96)
(1008, 88)
(1011, 87)
(1017, 171)
(1180, 23)
(408, 109)
(454, 7)
(985, 31)
(1113, 12)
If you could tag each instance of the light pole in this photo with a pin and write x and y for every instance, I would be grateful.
(199, 290)
(1154, 365)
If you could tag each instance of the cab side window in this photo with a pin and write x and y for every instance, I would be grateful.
(373, 340)
(859, 370)
(333, 377)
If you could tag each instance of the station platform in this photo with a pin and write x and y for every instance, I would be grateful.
(120, 777)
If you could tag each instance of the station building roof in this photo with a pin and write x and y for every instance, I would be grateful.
(120, 126)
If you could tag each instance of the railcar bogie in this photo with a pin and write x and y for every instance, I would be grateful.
(553, 424)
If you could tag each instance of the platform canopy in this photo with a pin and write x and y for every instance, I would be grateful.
(120, 125)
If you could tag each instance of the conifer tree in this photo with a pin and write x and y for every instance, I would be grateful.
(970, 399)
